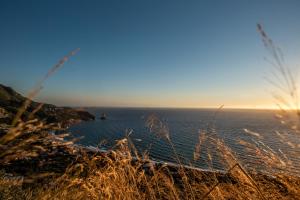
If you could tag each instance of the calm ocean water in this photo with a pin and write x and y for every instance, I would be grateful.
(184, 126)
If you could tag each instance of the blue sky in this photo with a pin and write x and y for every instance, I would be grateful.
(155, 53)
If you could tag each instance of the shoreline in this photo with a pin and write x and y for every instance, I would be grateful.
(47, 167)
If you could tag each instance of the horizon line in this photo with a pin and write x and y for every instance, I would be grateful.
(172, 107)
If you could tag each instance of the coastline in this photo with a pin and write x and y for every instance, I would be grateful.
(29, 173)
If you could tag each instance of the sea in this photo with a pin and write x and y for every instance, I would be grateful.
(260, 128)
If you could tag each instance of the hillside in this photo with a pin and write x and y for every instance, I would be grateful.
(11, 101)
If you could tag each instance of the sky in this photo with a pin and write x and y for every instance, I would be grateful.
(147, 53)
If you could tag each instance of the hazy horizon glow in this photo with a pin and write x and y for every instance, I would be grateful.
(195, 54)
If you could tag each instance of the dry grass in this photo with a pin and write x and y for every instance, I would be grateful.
(286, 95)
(123, 173)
